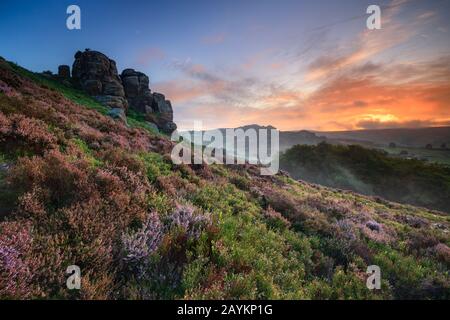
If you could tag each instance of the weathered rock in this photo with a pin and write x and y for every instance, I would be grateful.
(113, 88)
(169, 127)
(118, 114)
(164, 110)
(135, 83)
(160, 104)
(164, 122)
(64, 71)
(157, 109)
(93, 87)
(373, 225)
(97, 75)
(111, 101)
(136, 90)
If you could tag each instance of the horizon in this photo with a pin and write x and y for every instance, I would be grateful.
(318, 68)
(316, 131)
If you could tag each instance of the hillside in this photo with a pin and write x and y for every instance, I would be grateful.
(371, 172)
(427, 144)
(79, 188)
(407, 137)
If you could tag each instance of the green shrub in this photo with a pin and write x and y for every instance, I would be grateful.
(155, 165)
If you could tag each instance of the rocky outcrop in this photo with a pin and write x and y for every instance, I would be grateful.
(140, 99)
(163, 109)
(97, 75)
(136, 87)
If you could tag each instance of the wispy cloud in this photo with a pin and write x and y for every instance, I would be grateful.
(414, 94)
(368, 44)
(343, 89)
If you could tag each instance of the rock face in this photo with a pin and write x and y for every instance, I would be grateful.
(136, 87)
(164, 111)
(140, 99)
(97, 75)
(118, 114)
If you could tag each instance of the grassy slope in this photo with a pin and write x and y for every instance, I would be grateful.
(82, 190)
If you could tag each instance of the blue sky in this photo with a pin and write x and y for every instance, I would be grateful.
(231, 63)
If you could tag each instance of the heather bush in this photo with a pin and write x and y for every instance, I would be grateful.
(296, 210)
(336, 207)
(160, 202)
(16, 264)
(156, 253)
(241, 182)
(62, 180)
(276, 219)
(410, 277)
(88, 133)
(7, 90)
(25, 135)
(345, 285)
(139, 246)
(121, 158)
(5, 126)
(377, 232)
(322, 265)
(185, 219)
(442, 252)
(85, 152)
(418, 242)
(155, 165)
(175, 186)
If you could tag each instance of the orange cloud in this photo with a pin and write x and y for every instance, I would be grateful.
(361, 98)
(339, 91)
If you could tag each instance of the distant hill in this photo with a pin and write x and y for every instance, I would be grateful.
(291, 138)
(429, 144)
(407, 137)
(426, 144)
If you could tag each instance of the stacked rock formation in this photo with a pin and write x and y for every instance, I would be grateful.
(97, 75)
(157, 109)
(136, 87)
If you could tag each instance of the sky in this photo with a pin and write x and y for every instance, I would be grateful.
(288, 63)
